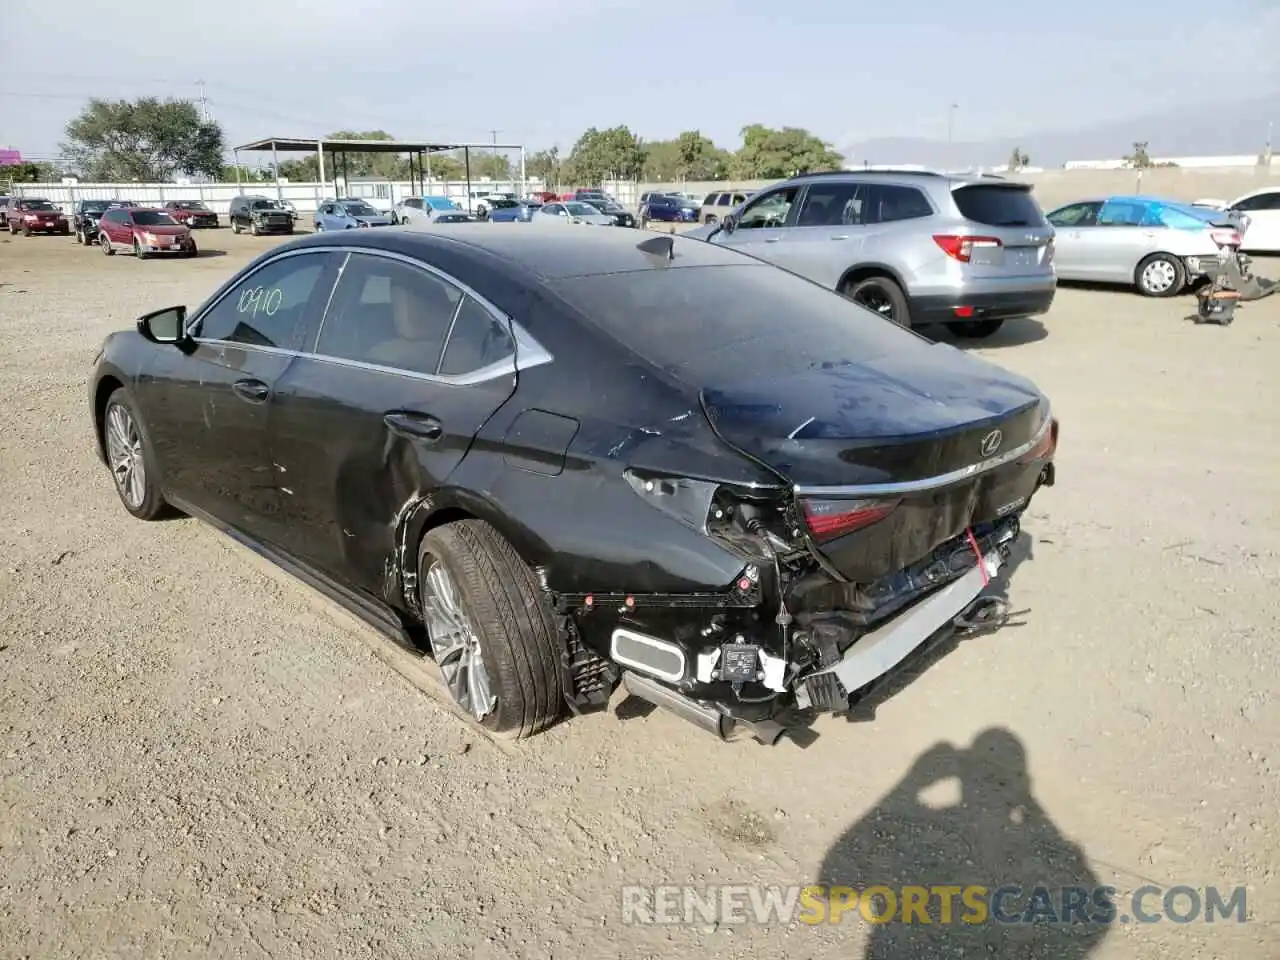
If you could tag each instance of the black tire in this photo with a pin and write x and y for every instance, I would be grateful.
(235, 226)
(138, 252)
(711, 218)
(26, 231)
(882, 296)
(253, 228)
(976, 329)
(107, 247)
(1170, 271)
(519, 637)
(192, 251)
(153, 505)
(79, 236)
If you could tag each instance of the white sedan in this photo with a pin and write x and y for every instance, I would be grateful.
(1260, 211)
(572, 211)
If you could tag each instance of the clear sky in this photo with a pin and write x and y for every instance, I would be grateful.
(541, 71)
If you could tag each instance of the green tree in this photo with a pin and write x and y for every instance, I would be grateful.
(699, 158)
(31, 171)
(661, 161)
(768, 154)
(246, 174)
(545, 165)
(1139, 159)
(146, 139)
(445, 166)
(1018, 160)
(613, 154)
(495, 166)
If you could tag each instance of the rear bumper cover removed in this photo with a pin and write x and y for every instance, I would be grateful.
(882, 649)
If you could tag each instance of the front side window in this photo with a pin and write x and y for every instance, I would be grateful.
(770, 210)
(276, 306)
(1076, 215)
(389, 313)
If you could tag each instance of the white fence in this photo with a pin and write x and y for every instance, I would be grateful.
(304, 196)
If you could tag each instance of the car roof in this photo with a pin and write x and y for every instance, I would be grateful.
(548, 252)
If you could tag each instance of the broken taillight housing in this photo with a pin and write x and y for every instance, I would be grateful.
(1226, 237)
(828, 519)
(1046, 448)
(961, 247)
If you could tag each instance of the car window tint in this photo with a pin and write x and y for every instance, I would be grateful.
(1177, 219)
(769, 211)
(1263, 201)
(831, 204)
(477, 340)
(998, 205)
(702, 321)
(389, 313)
(888, 203)
(269, 307)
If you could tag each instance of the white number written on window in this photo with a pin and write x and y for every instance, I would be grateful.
(255, 300)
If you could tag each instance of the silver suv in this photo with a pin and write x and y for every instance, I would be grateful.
(969, 251)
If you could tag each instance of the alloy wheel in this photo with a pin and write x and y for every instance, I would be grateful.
(875, 300)
(455, 644)
(124, 453)
(1158, 276)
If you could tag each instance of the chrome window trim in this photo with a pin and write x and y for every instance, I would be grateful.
(529, 352)
(929, 483)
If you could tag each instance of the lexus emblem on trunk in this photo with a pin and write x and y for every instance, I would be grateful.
(991, 442)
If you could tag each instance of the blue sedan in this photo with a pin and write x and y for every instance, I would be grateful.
(511, 211)
(348, 214)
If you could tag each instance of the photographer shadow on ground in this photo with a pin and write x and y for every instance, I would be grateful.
(961, 818)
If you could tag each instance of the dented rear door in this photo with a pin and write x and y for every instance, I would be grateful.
(373, 420)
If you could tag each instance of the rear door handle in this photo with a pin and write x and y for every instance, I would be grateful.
(417, 426)
(255, 391)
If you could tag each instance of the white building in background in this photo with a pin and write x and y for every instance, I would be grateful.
(1242, 160)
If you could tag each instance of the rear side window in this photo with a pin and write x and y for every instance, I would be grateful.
(889, 203)
(998, 206)
(831, 205)
(1176, 219)
(477, 340)
(389, 313)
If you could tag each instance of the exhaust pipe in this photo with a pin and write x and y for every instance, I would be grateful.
(708, 718)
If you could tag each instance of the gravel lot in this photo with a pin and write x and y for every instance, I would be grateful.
(201, 757)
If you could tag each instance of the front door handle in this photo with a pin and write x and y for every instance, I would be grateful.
(772, 239)
(417, 426)
(841, 236)
(255, 391)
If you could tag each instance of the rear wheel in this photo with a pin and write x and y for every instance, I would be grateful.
(1161, 275)
(882, 296)
(492, 632)
(976, 329)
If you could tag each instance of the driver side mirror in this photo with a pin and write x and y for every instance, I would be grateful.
(729, 223)
(164, 326)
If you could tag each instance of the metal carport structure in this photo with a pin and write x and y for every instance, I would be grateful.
(420, 151)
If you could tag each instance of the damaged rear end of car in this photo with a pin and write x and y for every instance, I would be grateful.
(893, 476)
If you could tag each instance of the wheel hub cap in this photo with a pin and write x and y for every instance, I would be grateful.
(124, 454)
(1159, 276)
(455, 645)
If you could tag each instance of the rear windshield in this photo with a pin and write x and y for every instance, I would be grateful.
(701, 322)
(998, 206)
(504, 204)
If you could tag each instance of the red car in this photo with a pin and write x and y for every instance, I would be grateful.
(143, 231)
(191, 213)
(31, 215)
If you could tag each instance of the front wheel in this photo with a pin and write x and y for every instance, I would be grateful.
(253, 229)
(881, 296)
(138, 252)
(105, 242)
(192, 250)
(128, 450)
(492, 631)
(235, 226)
(1161, 275)
(976, 329)
(711, 218)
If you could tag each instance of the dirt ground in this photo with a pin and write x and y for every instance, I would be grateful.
(202, 758)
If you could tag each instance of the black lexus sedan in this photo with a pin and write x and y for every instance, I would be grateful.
(552, 462)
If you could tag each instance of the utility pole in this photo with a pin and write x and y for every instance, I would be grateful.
(204, 103)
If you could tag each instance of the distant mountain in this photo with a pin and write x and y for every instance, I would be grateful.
(1214, 130)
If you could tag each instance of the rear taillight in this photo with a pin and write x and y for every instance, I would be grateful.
(828, 519)
(1048, 251)
(1046, 448)
(961, 247)
(1225, 237)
